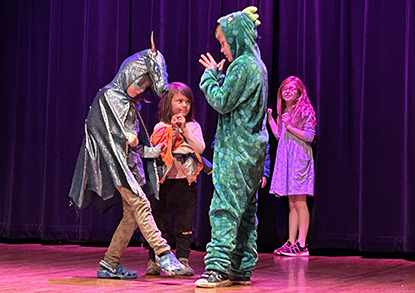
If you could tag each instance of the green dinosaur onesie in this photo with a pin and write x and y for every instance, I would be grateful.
(240, 99)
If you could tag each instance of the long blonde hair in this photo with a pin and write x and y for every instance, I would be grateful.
(301, 108)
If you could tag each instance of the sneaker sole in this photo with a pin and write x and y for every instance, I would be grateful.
(172, 273)
(186, 274)
(242, 283)
(295, 254)
(106, 275)
(205, 284)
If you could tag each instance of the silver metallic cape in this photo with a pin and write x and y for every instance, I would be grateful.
(104, 161)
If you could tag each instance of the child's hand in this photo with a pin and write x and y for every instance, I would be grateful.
(269, 114)
(209, 62)
(286, 119)
(163, 147)
(220, 64)
(178, 120)
(181, 122)
(263, 181)
(132, 140)
(173, 121)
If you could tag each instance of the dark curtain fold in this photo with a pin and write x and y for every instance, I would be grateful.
(356, 58)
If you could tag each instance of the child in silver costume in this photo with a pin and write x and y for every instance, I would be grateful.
(110, 160)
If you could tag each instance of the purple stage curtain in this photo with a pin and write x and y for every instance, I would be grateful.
(356, 57)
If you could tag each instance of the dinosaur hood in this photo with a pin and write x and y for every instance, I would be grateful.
(240, 33)
(135, 66)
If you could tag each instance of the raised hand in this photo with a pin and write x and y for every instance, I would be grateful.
(220, 64)
(209, 62)
(179, 121)
(269, 114)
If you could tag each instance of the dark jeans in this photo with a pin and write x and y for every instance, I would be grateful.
(179, 198)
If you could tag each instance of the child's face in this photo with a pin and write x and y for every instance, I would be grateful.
(180, 104)
(224, 47)
(290, 92)
(139, 87)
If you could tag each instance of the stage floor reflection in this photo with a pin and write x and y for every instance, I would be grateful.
(72, 268)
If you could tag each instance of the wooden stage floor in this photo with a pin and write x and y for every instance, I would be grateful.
(72, 268)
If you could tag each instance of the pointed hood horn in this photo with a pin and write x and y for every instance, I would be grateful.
(153, 47)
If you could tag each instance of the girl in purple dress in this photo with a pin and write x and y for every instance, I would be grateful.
(293, 174)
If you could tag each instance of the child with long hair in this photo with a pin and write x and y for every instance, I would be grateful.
(182, 164)
(293, 174)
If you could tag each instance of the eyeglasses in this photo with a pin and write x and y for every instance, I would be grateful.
(289, 89)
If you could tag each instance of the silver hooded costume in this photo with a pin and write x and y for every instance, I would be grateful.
(105, 160)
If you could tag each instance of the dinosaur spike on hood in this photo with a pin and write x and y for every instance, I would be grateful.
(153, 47)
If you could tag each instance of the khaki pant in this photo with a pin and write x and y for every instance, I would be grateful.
(136, 212)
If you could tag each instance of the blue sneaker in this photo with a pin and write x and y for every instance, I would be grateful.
(117, 272)
(170, 265)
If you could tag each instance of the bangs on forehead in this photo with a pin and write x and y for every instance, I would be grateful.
(218, 31)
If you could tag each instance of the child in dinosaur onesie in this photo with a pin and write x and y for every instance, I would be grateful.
(240, 98)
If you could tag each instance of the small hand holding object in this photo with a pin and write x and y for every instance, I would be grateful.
(209, 62)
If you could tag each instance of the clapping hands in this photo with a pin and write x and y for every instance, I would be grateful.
(179, 121)
(209, 62)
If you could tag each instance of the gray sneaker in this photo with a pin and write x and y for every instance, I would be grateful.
(213, 279)
(187, 271)
(153, 268)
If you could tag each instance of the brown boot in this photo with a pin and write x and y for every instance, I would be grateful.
(187, 271)
(153, 268)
